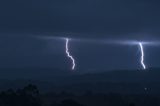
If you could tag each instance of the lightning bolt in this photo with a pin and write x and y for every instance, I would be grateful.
(69, 55)
(142, 56)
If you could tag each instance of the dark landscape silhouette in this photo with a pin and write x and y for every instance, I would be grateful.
(112, 88)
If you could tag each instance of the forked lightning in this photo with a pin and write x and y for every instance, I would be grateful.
(69, 55)
(142, 56)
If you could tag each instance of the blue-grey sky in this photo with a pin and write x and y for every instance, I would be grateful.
(25, 25)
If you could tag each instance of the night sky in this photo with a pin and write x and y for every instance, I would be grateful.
(32, 33)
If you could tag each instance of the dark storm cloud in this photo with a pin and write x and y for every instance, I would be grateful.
(82, 18)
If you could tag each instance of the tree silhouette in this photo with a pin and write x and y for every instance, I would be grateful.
(28, 96)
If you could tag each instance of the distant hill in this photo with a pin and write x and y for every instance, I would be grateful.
(54, 80)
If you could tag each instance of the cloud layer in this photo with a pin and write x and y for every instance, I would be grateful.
(133, 19)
